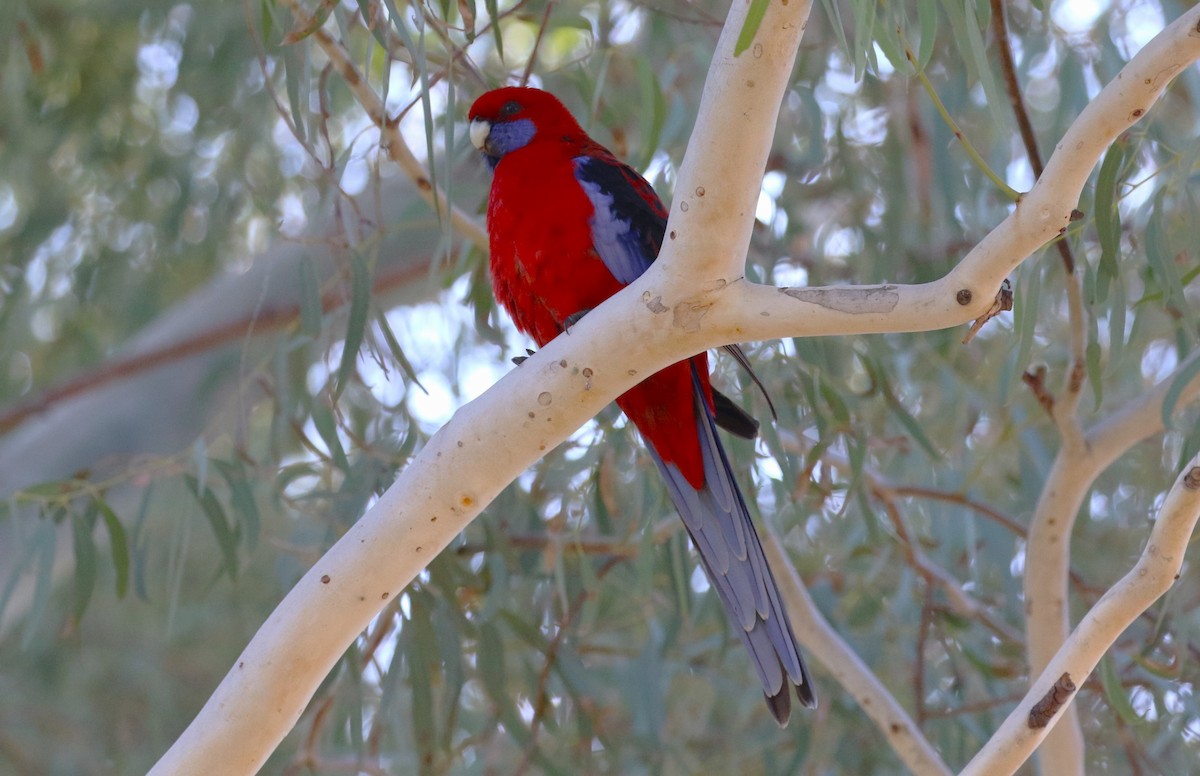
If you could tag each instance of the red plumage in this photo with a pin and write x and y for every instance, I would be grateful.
(569, 226)
(545, 268)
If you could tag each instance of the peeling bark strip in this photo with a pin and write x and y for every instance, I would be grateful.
(1044, 710)
(879, 299)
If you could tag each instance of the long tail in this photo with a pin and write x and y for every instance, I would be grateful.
(719, 524)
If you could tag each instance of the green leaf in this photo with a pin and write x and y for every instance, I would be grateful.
(864, 36)
(466, 10)
(833, 400)
(226, 535)
(1108, 218)
(754, 17)
(887, 37)
(653, 112)
(927, 15)
(41, 551)
(397, 352)
(45, 491)
(200, 461)
(490, 660)
(1165, 270)
(422, 662)
(322, 418)
(1093, 358)
(834, 11)
(310, 299)
(997, 103)
(1025, 311)
(241, 498)
(1118, 311)
(1179, 382)
(296, 81)
(360, 305)
(118, 544)
(307, 25)
(912, 425)
(1095, 370)
(1117, 698)
(493, 9)
(85, 558)
(267, 20)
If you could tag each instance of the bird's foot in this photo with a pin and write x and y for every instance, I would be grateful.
(575, 318)
(518, 360)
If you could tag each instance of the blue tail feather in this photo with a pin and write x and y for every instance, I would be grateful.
(732, 556)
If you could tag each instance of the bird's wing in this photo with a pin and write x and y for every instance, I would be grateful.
(628, 220)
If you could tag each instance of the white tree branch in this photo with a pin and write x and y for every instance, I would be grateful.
(765, 312)
(531, 409)
(856, 678)
(1153, 574)
(539, 404)
(1079, 461)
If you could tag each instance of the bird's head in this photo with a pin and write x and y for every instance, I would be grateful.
(509, 119)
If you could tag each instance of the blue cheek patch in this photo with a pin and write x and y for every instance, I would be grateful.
(509, 136)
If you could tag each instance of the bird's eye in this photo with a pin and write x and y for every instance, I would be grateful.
(511, 108)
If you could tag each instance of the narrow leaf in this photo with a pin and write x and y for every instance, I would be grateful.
(85, 558)
(1108, 219)
(1182, 378)
(1117, 698)
(295, 71)
(241, 498)
(397, 352)
(422, 660)
(360, 303)
(466, 9)
(42, 550)
(493, 9)
(327, 428)
(754, 17)
(225, 534)
(310, 299)
(118, 544)
(307, 25)
(927, 15)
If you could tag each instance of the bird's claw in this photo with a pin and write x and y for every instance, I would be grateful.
(518, 360)
(575, 318)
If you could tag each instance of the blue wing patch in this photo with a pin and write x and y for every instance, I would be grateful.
(628, 221)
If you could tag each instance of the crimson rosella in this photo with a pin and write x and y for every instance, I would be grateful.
(569, 226)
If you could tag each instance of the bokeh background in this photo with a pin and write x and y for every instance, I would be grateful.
(227, 319)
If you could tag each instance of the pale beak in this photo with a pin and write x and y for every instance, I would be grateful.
(480, 129)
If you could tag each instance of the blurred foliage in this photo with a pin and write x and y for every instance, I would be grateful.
(147, 147)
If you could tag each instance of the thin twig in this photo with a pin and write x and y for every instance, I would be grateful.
(121, 368)
(962, 602)
(537, 43)
(1009, 70)
(542, 698)
(392, 141)
(919, 658)
(974, 154)
(1021, 113)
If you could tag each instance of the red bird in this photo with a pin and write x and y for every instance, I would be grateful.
(570, 225)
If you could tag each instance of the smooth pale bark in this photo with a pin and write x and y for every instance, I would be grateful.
(1153, 574)
(1078, 463)
(526, 413)
(692, 298)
